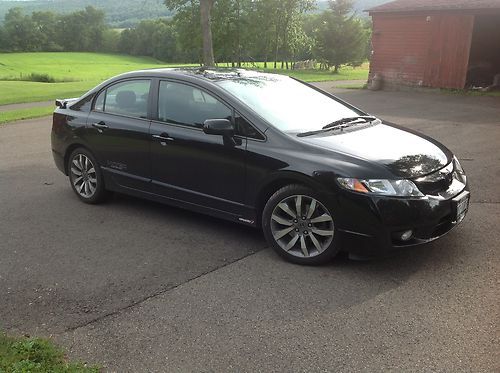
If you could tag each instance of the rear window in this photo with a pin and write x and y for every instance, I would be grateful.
(128, 98)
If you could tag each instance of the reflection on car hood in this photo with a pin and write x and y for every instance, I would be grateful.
(404, 153)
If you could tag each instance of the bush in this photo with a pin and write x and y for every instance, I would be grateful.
(36, 77)
(42, 78)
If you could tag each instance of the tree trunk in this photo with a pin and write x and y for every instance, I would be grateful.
(206, 30)
(276, 41)
(238, 23)
(336, 70)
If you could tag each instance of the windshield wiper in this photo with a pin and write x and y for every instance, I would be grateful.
(341, 123)
(367, 118)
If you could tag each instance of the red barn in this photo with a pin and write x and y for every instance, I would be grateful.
(436, 43)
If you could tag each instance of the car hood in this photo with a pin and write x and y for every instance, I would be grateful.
(405, 153)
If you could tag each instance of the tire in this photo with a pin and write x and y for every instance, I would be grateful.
(309, 238)
(85, 177)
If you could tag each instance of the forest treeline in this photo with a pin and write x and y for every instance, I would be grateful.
(281, 31)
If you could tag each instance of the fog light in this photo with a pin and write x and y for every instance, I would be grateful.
(406, 235)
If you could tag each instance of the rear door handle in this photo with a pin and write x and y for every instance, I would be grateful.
(100, 126)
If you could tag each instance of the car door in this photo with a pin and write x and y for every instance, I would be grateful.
(187, 164)
(118, 131)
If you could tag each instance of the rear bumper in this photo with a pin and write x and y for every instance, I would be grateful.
(59, 161)
(372, 225)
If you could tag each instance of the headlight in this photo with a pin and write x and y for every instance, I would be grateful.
(396, 188)
(458, 171)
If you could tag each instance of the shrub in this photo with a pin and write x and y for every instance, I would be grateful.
(42, 78)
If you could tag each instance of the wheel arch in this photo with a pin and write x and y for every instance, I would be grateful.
(278, 181)
(68, 152)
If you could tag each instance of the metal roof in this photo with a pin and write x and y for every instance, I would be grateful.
(434, 5)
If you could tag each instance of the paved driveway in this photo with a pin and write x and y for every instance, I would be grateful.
(137, 286)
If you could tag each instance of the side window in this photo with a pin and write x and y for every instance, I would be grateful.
(99, 102)
(83, 105)
(127, 98)
(182, 104)
(244, 128)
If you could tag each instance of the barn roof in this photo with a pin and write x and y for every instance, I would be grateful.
(427, 5)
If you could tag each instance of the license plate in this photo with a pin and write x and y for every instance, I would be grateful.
(461, 204)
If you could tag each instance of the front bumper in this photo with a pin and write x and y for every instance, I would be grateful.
(372, 225)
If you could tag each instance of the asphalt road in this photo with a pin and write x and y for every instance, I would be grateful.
(137, 286)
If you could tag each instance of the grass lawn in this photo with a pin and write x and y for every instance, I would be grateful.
(78, 72)
(35, 355)
(71, 66)
(19, 114)
(13, 92)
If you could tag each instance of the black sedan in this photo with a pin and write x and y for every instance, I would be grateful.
(316, 173)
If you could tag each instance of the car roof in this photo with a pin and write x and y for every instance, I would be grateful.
(202, 73)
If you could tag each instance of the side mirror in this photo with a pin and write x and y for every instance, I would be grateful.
(222, 127)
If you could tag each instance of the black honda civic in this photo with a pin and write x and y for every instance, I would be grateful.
(317, 174)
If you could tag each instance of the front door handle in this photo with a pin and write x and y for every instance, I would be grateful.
(100, 126)
(163, 138)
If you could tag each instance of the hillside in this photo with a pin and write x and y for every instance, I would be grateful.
(126, 13)
(119, 13)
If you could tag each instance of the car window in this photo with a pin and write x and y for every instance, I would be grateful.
(83, 105)
(127, 98)
(244, 128)
(183, 104)
(99, 102)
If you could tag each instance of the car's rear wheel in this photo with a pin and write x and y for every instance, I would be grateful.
(85, 176)
(299, 226)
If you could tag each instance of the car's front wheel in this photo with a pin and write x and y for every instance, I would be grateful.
(299, 226)
(85, 176)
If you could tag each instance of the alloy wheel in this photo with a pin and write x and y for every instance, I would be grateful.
(302, 226)
(83, 175)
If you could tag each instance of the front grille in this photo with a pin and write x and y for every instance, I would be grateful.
(436, 182)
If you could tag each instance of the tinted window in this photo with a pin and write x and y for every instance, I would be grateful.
(99, 102)
(127, 98)
(183, 104)
(244, 128)
(83, 105)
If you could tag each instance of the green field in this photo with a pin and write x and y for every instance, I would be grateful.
(78, 72)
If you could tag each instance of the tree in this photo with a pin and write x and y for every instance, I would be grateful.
(184, 10)
(20, 31)
(155, 38)
(3, 40)
(340, 36)
(44, 23)
(206, 31)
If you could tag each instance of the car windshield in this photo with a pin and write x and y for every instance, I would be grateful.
(287, 104)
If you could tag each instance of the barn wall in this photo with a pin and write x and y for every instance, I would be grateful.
(400, 48)
(421, 49)
(449, 51)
